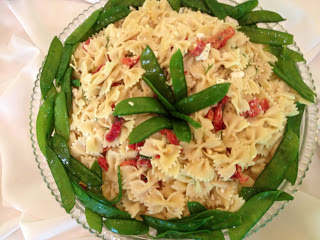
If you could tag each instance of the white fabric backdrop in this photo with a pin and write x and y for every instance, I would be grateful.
(28, 209)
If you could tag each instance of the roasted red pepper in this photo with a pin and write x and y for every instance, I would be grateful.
(103, 163)
(220, 40)
(136, 146)
(171, 137)
(256, 107)
(98, 69)
(239, 175)
(215, 115)
(264, 104)
(143, 162)
(130, 61)
(198, 49)
(115, 130)
(86, 43)
(129, 162)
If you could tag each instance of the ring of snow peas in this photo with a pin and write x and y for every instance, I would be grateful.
(242, 9)
(61, 118)
(117, 3)
(216, 8)
(68, 50)
(126, 226)
(278, 50)
(94, 220)
(260, 16)
(110, 16)
(195, 207)
(67, 88)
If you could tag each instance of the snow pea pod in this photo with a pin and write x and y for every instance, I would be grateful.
(83, 28)
(67, 88)
(195, 207)
(52, 91)
(104, 210)
(186, 118)
(175, 4)
(248, 192)
(62, 180)
(164, 225)
(198, 235)
(181, 130)
(199, 5)
(288, 72)
(273, 174)
(203, 99)
(162, 99)
(76, 83)
(148, 128)
(50, 66)
(127, 3)
(178, 76)
(94, 220)
(68, 49)
(138, 105)
(126, 227)
(220, 219)
(252, 211)
(260, 16)
(155, 74)
(61, 119)
(110, 16)
(278, 50)
(267, 36)
(45, 123)
(96, 169)
(216, 8)
(242, 9)
(294, 123)
(72, 165)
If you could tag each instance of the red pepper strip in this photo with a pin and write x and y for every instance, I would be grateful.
(264, 104)
(130, 61)
(97, 70)
(115, 130)
(142, 162)
(136, 145)
(171, 137)
(157, 156)
(144, 178)
(106, 149)
(129, 162)
(103, 163)
(115, 84)
(86, 43)
(113, 105)
(239, 175)
(215, 114)
(220, 40)
(198, 49)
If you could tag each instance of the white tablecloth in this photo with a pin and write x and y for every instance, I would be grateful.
(28, 209)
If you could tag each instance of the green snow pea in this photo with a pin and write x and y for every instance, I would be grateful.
(260, 16)
(76, 83)
(181, 130)
(62, 180)
(50, 66)
(148, 128)
(247, 192)
(252, 211)
(67, 88)
(273, 174)
(138, 105)
(164, 225)
(61, 119)
(195, 207)
(117, 3)
(178, 77)
(186, 118)
(126, 226)
(242, 9)
(45, 123)
(155, 74)
(110, 16)
(216, 8)
(199, 5)
(278, 50)
(219, 219)
(52, 91)
(198, 235)
(175, 4)
(294, 123)
(267, 36)
(83, 28)
(72, 165)
(161, 98)
(94, 220)
(104, 210)
(203, 99)
(287, 70)
(96, 169)
(68, 50)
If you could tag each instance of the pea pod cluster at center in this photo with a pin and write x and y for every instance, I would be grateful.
(171, 105)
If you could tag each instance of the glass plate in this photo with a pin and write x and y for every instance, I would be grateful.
(307, 139)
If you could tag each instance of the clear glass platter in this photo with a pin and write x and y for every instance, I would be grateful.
(308, 137)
